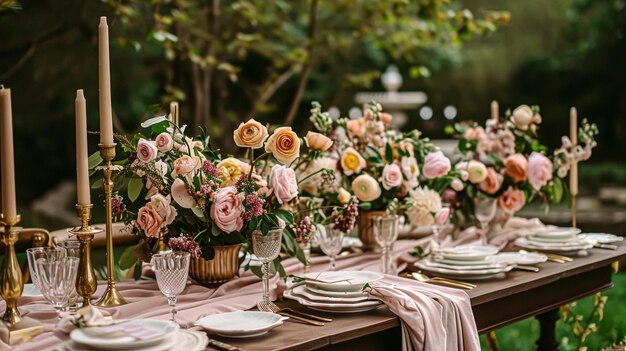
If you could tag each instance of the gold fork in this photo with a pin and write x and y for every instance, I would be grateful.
(271, 307)
(438, 280)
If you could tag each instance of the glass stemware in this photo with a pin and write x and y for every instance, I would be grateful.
(57, 279)
(331, 242)
(171, 270)
(266, 248)
(386, 234)
(485, 211)
(72, 249)
(442, 219)
(34, 253)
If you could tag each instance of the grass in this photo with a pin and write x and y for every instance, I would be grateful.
(522, 335)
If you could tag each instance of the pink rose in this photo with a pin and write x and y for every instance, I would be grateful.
(436, 164)
(164, 142)
(474, 133)
(356, 127)
(149, 220)
(539, 170)
(392, 176)
(512, 200)
(180, 194)
(492, 182)
(227, 210)
(184, 165)
(161, 204)
(517, 167)
(146, 150)
(442, 216)
(283, 183)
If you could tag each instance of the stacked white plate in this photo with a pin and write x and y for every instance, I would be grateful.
(338, 291)
(241, 324)
(466, 261)
(564, 240)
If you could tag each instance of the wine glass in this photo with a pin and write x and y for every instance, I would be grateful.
(34, 253)
(385, 234)
(485, 210)
(72, 249)
(57, 279)
(331, 242)
(442, 219)
(171, 270)
(266, 248)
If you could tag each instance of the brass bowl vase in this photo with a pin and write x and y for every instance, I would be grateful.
(366, 228)
(222, 268)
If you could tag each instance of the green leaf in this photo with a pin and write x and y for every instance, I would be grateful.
(388, 153)
(558, 190)
(257, 271)
(94, 160)
(128, 258)
(134, 188)
(199, 213)
(365, 206)
(284, 215)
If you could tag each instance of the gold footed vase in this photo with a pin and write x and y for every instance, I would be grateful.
(366, 228)
(222, 268)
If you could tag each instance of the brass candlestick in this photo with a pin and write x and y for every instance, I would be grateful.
(11, 284)
(573, 210)
(111, 296)
(86, 282)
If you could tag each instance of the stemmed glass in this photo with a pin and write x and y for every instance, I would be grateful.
(35, 253)
(72, 249)
(385, 234)
(171, 270)
(331, 242)
(266, 248)
(442, 219)
(485, 210)
(57, 279)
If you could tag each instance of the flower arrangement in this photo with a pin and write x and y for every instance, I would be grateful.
(196, 200)
(505, 160)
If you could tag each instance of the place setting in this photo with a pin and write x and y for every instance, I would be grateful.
(566, 241)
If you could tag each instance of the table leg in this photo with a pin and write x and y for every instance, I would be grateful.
(547, 334)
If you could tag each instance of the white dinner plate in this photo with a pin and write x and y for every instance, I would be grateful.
(466, 252)
(346, 307)
(526, 258)
(555, 232)
(342, 280)
(548, 239)
(524, 243)
(575, 241)
(480, 265)
(312, 296)
(183, 340)
(486, 262)
(602, 238)
(241, 324)
(335, 293)
(426, 264)
(87, 336)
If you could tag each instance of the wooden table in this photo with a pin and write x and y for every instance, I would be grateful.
(495, 304)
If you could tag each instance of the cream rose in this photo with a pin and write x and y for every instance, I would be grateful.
(492, 182)
(477, 172)
(283, 183)
(250, 134)
(284, 144)
(164, 142)
(317, 141)
(227, 209)
(343, 196)
(146, 150)
(522, 117)
(184, 165)
(351, 161)
(512, 200)
(516, 166)
(366, 188)
(391, 176)
(230, 170)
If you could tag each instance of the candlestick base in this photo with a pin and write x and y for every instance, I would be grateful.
(86, 282)
(12, 285)
(111, 298)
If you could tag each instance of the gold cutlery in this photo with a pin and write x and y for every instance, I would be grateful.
(558, 257)
(222, 345)
(605, 246)
(271, 307)
(444, 281)
(526, 268)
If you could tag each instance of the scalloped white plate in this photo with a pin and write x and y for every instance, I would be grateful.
(241, 324)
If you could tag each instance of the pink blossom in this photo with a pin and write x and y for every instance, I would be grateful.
(227, 210)
(146, 150)
(539, 170)
(392, 176)
(436, 164)
(474, 133)
(283, 183)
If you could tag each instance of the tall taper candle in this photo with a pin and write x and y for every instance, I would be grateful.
(104, 84)
(495, 110)
(8, 166)
(174, 112)
(573, 133)
(82, 168)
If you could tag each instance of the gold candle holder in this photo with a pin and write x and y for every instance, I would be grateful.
(11, 285)
(573, 211)
(86, 282)
(111, 296)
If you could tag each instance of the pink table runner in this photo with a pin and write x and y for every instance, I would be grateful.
(146, 301)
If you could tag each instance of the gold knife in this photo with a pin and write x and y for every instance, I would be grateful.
(222, 345)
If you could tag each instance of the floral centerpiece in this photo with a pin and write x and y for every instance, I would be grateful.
(199, 202)
(505, 160)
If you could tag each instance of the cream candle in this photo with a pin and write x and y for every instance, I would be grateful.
(495, 110)
(82, 168)
(6, 149)
(104, 84)
(573, 132)
(174, 112)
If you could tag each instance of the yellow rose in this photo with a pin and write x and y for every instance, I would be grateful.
(284, 144)
(230, 170)
(317, 141)
(250, 134)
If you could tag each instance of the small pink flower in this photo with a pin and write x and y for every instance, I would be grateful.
(356, 127)
(442, 216)
(386, 118)
(283, 183)
(492, 182)
(164, 142)
(227, 210)
(512, 200)
(474, 133)
(539, 170)
(436, 164)
(146, 150)
(392, 176)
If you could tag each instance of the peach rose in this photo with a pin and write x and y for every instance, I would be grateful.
(149, 220)
(284, 144)
(146, 150)
(250, 134)
(162, 205)
(539, 170)
(283, 183)
(356, 127)
(516, 166)
(227, 209)
(317, 141)
(477, 172)
(181, 195)
(436, 164)
(184, 165)
(391, 176)
(492, 182)
(164, 142)
(522, 117)
(386, 118)
(351, 161)
(366, 188)
(512, 200)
